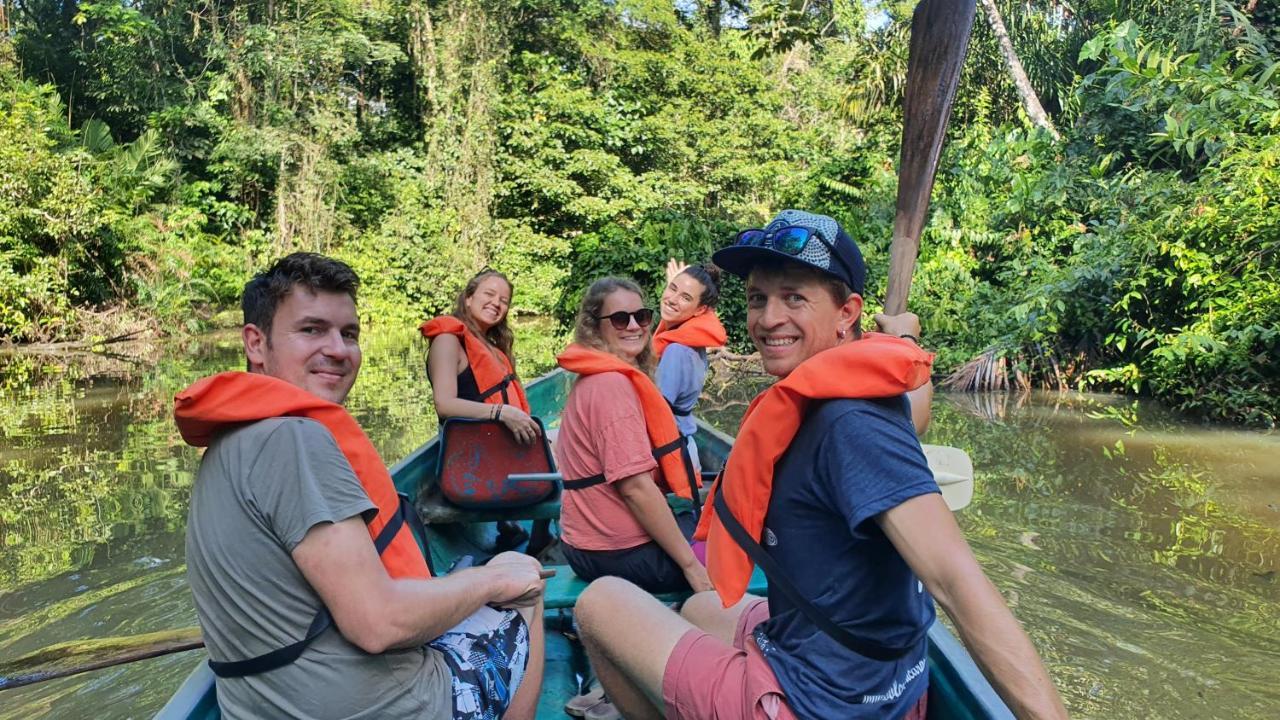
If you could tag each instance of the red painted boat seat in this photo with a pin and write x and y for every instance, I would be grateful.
(478, 459)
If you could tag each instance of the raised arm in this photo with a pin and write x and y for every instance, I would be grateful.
(650, 509)
(926, 535)
(908, 325)
(921, 407)
(377, 613)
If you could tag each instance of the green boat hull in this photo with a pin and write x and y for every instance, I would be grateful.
(957, 690)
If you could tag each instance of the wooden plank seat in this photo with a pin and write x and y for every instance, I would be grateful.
(563, 589)
(434, 509)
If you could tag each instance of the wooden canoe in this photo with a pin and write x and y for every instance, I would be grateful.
(957, 690)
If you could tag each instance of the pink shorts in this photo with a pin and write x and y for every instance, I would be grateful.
(708, 680)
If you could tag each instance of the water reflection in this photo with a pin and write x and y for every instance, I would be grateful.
(1139, 552)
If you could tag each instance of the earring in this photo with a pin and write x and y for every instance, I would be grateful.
(840, 333)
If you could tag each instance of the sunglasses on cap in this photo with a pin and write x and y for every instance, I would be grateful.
(621, 320)
(789, 240)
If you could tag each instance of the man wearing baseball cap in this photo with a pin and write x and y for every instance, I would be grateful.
(828, 491)
(785, 238)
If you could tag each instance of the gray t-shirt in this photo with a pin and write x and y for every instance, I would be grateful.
(260, 488)
(682, 371)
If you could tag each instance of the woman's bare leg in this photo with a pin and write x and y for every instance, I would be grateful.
(629, 637)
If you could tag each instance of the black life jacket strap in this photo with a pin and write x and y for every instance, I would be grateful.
(278, 658)
(681, 441)
(779, 580)
(682, 444)
(500, 387)
(406, 514)
(584, 483)
(388, 532)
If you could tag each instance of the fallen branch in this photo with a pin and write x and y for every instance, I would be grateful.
(67, 346)
(730, 356)
(78, 656)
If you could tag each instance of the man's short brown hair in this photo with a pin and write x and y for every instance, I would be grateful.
(262, 294)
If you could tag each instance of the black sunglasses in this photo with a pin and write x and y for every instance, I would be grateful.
(789, 240)
(621, 320)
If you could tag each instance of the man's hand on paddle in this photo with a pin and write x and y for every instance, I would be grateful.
(922, 397)
(516, 580)
(898, 325)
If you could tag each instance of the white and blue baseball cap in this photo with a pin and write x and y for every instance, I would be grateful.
(798, 236)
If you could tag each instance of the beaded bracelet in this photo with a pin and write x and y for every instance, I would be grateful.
(912, 338)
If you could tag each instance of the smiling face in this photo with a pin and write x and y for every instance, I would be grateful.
(792, 316)
(488, 305)
(629, 343)
(682, 299)
(314, 343)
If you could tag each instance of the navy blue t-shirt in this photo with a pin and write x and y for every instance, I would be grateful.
(851, 461)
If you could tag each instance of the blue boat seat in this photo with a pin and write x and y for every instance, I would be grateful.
(563, 589)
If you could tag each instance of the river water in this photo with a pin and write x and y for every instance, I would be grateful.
(1139, 551)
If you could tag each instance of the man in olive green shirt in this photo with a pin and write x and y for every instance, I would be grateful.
(277, 532)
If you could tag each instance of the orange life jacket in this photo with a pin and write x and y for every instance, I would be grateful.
(222, 401)
(495, 377)
(874, 366)
(699, 331)
(670, 449)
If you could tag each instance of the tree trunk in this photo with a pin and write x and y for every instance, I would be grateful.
(1030, 101)
(712, 11)
(424, 56)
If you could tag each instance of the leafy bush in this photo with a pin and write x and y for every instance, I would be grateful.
(56, 248)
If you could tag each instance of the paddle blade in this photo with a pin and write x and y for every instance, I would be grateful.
(953, 471)
(939, 38)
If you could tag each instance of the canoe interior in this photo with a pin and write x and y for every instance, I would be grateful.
(957, 690)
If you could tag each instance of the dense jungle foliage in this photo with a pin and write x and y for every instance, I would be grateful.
(154, 152)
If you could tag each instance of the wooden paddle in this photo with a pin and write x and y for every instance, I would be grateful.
(78, 656)
(953, 471)
(939, 39)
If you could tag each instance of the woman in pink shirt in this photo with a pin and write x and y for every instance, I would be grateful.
(617, 522)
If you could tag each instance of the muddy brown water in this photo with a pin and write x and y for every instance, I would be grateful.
(1139, 550)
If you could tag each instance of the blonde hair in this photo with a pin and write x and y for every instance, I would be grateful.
(586, 329)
